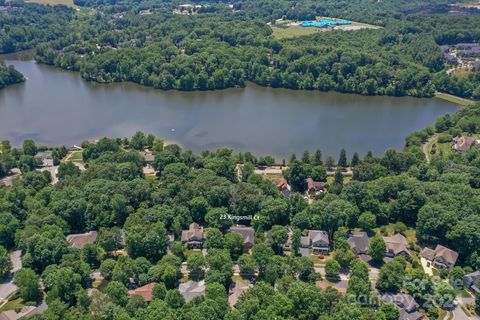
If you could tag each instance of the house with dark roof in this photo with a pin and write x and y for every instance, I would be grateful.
(314, 187)
(359, 242)
(407, 305)
(193, 237)
(451, 59)
(248, 235)
(472, 282)
(192, 289)
(316, 240)
(462, 143)
(145, 291)
(80, 240)
(444, 257)
(397, 245)
(441, 258)
(284, 187)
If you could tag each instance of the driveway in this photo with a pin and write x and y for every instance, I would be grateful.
(458, 312)
(8, 287)
(426, 268)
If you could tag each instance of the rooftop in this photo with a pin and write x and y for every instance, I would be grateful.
(144, 291)
(192, 289)
(80, 240)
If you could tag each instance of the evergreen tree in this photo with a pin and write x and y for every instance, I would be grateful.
(316, 158)
(342, 160)
(306, 157)
(355, 160)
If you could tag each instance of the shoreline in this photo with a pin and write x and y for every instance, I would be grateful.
(28, 55)
(454, 99)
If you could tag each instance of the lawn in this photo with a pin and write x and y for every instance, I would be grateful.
(454, 99)
(293, 32)
(68, 3)
(13, 304)
(75, 156)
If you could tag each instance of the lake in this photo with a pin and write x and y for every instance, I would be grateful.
(56, 107)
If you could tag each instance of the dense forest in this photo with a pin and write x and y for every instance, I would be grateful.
(9, 75)
(226, 44)
(439, 201)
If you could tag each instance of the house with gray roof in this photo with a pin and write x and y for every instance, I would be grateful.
(317, 240)
(359, 242)
(472, 282)
(192, 289)
(406, 304)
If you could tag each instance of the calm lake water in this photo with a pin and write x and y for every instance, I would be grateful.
(56, 107)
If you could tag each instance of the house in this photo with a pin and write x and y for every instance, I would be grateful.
(317, 240)
(145, 291)
(192, 289)
(145, 12)
(78, 241)
(284, 187)
(472, 282)
(186, 9)
(147, 156)
(359, 242)
(236, 290)
(451, 59)
(441, 257)
(314, 187)
(193, 237)
(444, 257)
(397, 245)
(463, 143)
(407, 305)
(46, 157)
(248, 235)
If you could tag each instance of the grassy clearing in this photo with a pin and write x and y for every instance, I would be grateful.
(293, 32)
(410, 234)
(346, 179)
(461, 72)
(100, 285)
(462, 293)
(15, 303)
(454, 99)
(68, 3)
(76, 156)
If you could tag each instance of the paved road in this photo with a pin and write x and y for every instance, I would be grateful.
(8, 287)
